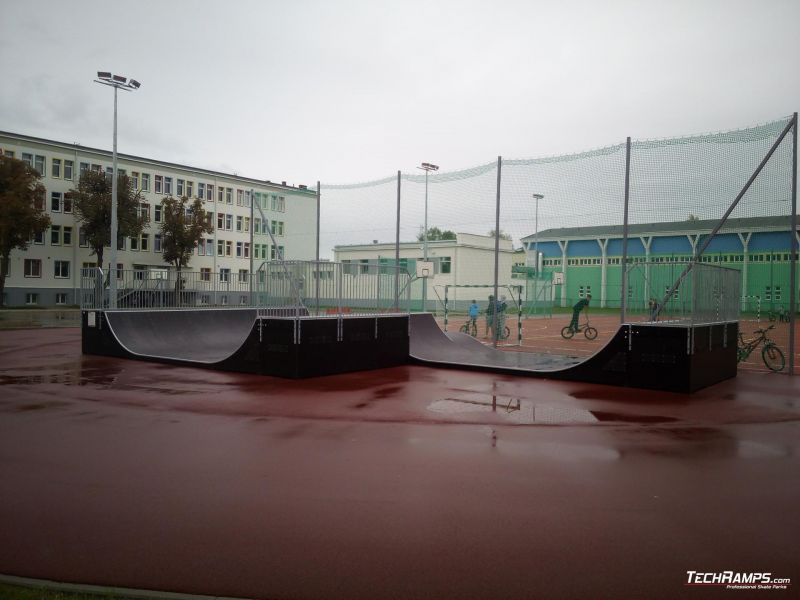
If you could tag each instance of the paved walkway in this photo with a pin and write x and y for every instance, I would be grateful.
(403, 483)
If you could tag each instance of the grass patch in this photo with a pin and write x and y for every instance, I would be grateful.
(14, 592)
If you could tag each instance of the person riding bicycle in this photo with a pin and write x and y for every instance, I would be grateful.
(576, 311)
(500, 317)
(474, 310)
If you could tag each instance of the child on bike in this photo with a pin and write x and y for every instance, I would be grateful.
(473, 314)
(576, 311)
(500, 317)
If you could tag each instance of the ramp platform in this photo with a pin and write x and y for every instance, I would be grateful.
(677, 358)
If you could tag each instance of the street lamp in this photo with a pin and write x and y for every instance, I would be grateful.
(536, 197)
(118, 82)
(427, 167)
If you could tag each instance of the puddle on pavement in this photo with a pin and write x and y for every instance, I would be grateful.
(65, 374)
(518, 410)
(514, 410)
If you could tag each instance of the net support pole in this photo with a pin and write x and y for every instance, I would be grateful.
(793, 247)
(624, 292)
(316, 265)
(397, 250)
(496, 251)
(724, 219)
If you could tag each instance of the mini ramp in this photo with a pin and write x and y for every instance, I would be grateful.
(288, 343)
(671, 358)
(285, 341)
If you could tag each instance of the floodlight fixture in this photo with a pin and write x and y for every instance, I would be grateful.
(104, 75)
(429, 167)
(135, 84)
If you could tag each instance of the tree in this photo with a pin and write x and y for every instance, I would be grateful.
(22, 213)
(503, 235)
(183, 225)
(693, 217)
(434, 233)
(92, 205)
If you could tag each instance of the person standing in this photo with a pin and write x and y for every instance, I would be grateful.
(576, 311)
(490, 308)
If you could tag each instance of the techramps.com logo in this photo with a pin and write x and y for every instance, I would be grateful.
(737, 580)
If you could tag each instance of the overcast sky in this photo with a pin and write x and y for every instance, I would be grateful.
(345, 91)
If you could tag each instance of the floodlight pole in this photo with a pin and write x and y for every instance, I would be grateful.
(536, 197)
(117, 82)
(112, 272)
(427, 167)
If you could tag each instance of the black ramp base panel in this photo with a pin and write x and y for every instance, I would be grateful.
(250, 341)
(645, 356)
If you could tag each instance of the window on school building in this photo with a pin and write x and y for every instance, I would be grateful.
(55, 168)
(61, 269)
(61, 298)
(31, 298)
(33, 267)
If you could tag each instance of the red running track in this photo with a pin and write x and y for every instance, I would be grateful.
(386, 484)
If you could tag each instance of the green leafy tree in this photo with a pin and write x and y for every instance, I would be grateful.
(22, 213)
(92, 205)
(693, 217)
(182, 226)
(503, 235)
(434, 233)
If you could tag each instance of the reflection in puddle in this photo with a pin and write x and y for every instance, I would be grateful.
(514, 410)
(72, 373)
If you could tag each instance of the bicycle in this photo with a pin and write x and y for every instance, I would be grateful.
(588, 331)
(770, 353)
(470, 327)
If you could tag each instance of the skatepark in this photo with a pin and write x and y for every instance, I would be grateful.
(323, 429)
(409, 481)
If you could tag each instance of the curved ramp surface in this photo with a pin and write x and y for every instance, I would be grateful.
(678, 359)
(203, 336)
(430, 344)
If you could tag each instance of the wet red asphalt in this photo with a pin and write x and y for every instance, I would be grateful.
(387, 484)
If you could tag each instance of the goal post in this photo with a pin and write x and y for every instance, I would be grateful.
(457, 304)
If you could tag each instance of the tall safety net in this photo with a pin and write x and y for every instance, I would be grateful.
(569, 235)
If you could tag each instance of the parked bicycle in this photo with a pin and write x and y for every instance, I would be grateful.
(770, 353)
(588, 331)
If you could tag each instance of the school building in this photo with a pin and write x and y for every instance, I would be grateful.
(48, 272)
